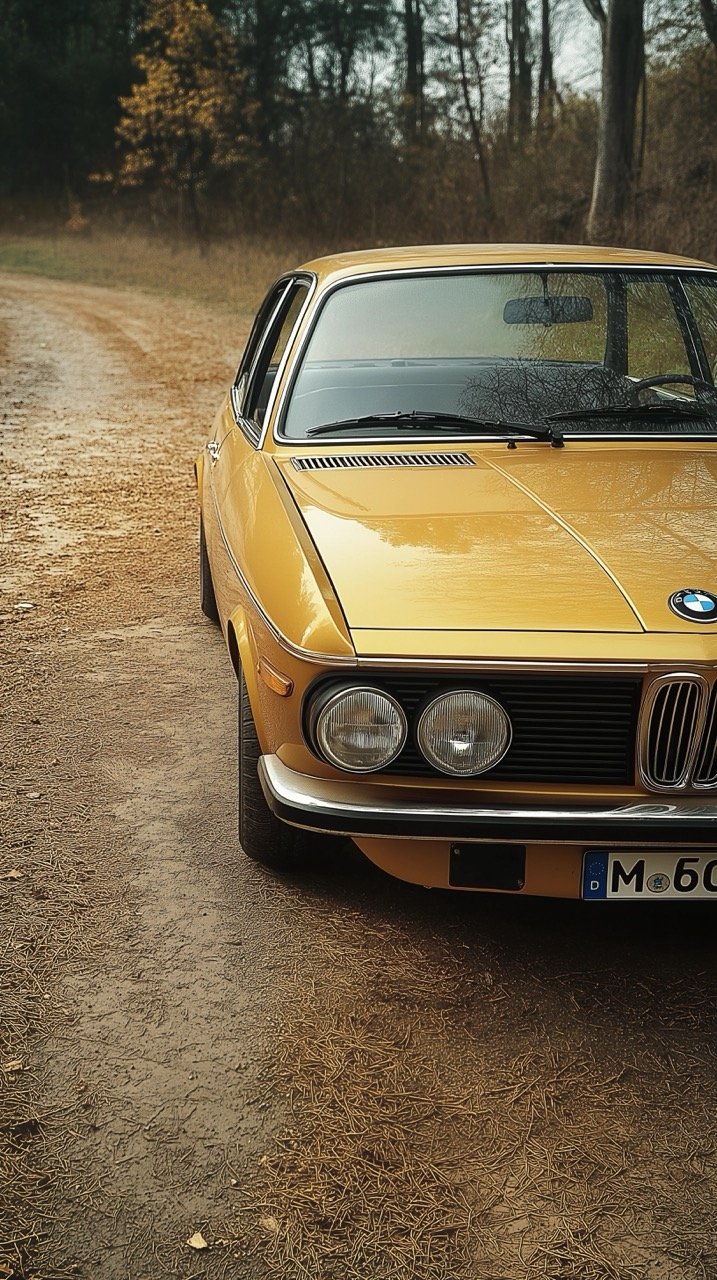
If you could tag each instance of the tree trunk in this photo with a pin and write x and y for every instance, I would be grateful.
(476, 121)
(546, 80)
(623, 69)
(708, 9)
(413, 29)
(520, 70)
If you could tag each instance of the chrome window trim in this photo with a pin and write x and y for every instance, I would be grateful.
(420, 272)
(282, 284)
(310, 279)
(703, 680)
(249, 428)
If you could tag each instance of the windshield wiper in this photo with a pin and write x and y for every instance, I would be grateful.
(418, 420)
(673, 410)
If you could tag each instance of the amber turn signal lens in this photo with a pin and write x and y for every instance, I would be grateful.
(274, 679)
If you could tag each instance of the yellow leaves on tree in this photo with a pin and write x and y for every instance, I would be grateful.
(181, 123)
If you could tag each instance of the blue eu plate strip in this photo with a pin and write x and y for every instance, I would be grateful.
(595, 875)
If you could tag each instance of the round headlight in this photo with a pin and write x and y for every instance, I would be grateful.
(464, 732)
(360, 729)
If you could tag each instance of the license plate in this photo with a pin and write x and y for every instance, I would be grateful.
(648, 875)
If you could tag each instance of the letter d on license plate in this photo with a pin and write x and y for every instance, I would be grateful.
(649, 875)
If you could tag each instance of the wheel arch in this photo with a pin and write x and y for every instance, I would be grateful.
(243, 654)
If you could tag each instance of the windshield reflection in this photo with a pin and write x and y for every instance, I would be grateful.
(518, 346)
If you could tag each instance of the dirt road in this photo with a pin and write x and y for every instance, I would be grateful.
(333, 1077)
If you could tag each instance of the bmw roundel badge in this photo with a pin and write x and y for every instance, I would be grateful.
(694, 605)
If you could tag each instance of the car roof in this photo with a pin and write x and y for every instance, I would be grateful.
(412, 257)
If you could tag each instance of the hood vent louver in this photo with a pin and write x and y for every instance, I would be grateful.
(342, 462)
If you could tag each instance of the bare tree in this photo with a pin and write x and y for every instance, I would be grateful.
(520, 70)
(466, 46)
(547, 88)
(708, 9)
(415, 69)
(622, 74)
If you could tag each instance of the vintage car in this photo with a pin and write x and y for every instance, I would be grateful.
(459, 527)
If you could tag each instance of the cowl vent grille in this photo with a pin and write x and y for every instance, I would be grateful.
(345, 461)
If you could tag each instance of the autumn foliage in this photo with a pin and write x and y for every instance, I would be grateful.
(361, 121)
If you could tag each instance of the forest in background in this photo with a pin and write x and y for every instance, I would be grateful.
(342, 122)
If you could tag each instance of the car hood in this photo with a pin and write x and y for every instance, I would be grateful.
(591, 538)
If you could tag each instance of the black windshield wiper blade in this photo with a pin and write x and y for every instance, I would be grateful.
(418, 420)
(675, 410)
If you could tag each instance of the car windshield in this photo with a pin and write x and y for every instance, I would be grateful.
(631, 353)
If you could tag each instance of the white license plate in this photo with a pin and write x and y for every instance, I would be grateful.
(647, 875)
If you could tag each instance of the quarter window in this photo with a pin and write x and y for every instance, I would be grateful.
(272, 351)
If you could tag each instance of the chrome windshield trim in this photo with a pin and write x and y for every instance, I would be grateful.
(349, 807)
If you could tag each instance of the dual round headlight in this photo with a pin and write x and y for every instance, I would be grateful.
(462, 732)
(360, 729)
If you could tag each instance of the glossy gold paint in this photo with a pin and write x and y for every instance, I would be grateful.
(531, 556)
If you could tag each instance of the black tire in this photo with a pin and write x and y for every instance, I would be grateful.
(207, 599)
(262, 836)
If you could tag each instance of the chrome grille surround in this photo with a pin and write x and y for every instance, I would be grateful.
(705, 774)
(346, 461)
(677, 733)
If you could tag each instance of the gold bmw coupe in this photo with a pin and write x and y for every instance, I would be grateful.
(459, 527)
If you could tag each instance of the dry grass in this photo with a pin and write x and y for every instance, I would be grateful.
(231, 276)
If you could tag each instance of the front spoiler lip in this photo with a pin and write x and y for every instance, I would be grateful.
(364, 809)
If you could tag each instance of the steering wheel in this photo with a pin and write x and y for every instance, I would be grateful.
(664, 380)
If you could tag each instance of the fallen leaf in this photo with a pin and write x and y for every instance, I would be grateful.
(25, 605)
(12, 875)
(33, 795)
(197, 1241)
(15, 1064)
(269, 1224)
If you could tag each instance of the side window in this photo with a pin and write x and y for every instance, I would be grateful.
(271, 351)
(654, 338)
(256, 336)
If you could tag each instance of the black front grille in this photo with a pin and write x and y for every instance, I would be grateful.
(566, 729)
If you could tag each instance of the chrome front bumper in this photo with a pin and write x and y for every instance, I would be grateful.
(365, 809)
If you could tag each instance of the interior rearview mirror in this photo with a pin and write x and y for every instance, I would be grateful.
(548, 310)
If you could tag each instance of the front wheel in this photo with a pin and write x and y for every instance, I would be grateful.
(263, 837)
